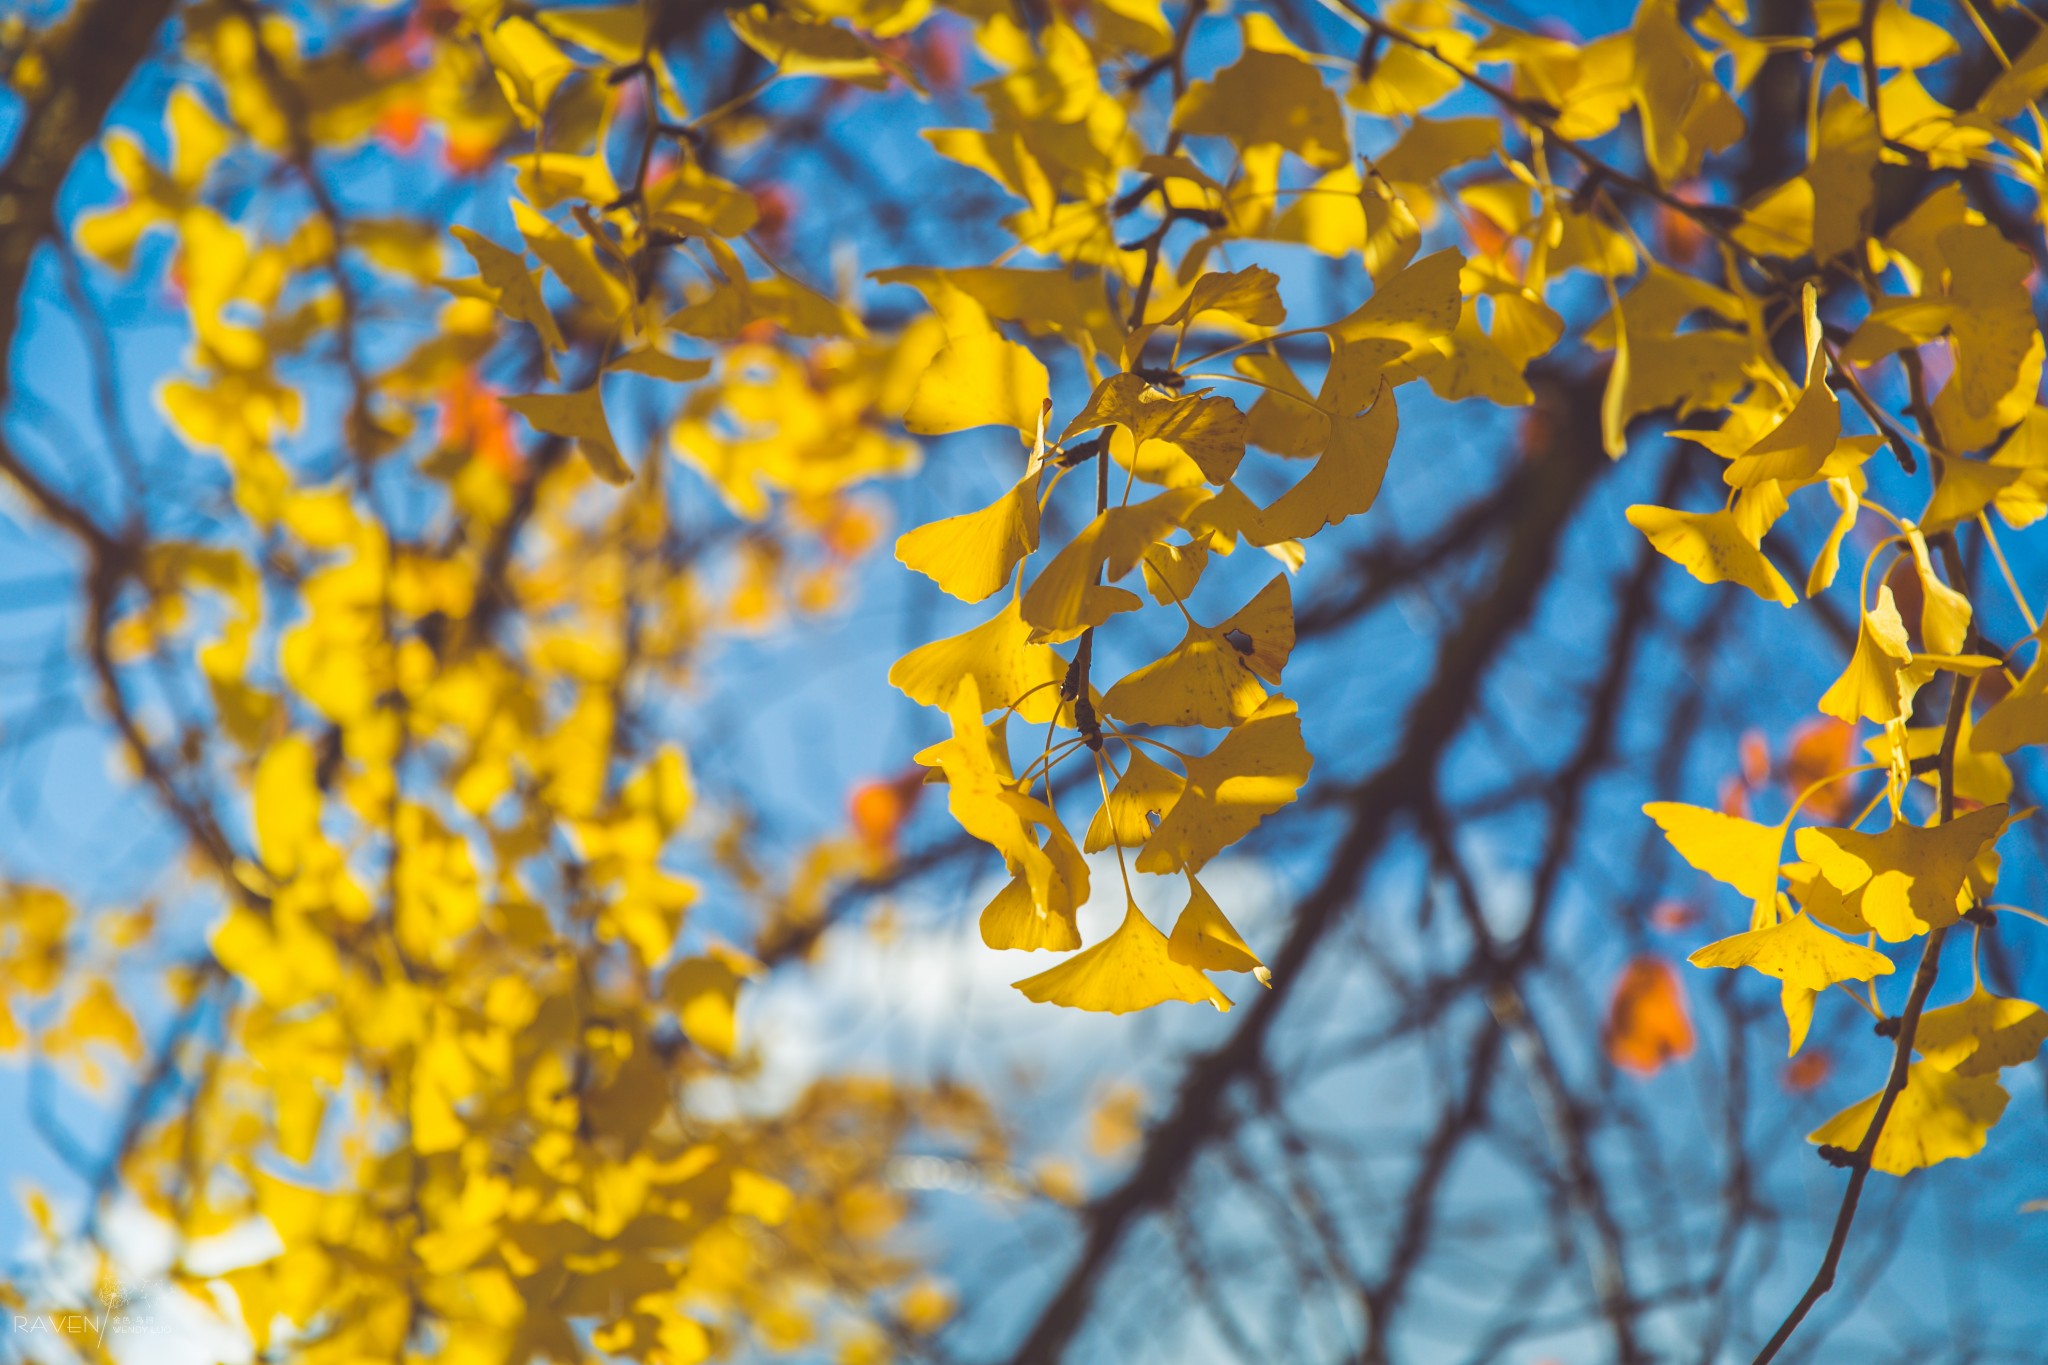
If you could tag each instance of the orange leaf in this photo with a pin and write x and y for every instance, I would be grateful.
(1756, 758)
(1818, 748)
(1647, 1023)
(1805, 1072)
(878, 810)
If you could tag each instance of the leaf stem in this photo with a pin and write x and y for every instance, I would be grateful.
(1859, 1161)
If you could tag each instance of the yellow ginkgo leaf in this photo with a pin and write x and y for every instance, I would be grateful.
(1841, 911)
(99, 1017)
(1254, 771)
(1262, 630)
(1981, 777)
(1057, 876)
(1130, 970)
(978, 379)
(1825, 564)
(198, 140)
(1409, 311)
(975, 762)
(1729, 849)
(1910, 877)
(1805, 957)
(513, 290)
(286, 799)
(580, 417)
(984, 799)
(1429, 149)
(618, 33)
(1171, 571)
(803, 47)
(1796, 447)
(528, 65)
(1037, 909)
(1285, 419)
(1344, 482)
(1879, 684)
(1981, 1034)
(1208, 430)
(1938, 1115)
(1902, 37)
(1146, 789)
(1205, 680)
(2019, 718)
(1204, 937)
(659, 365)
(2025, 500)
(1067, 597)
(971, 556)
(1944, 612)
(1013, 921)
(1798, 951)
(1685, 112)
(1894, 324)
(1392, 234)
(1267, 97)
(1993, 328)
(1212, 677)
(1966, 488)
(1712, 548)
(1483, 363)
(997, 657)
(703, 992)
(573, 260)
(1250, 295)
(1656, 365)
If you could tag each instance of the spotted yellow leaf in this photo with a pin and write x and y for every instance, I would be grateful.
(1212, 677)
(1939, 1115)
(1805, 957)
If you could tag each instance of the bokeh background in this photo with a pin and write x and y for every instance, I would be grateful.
(1423, 1145)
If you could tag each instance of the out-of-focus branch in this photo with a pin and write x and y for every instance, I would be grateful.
(89, 58)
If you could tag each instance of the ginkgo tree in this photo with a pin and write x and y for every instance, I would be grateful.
(470, 503)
